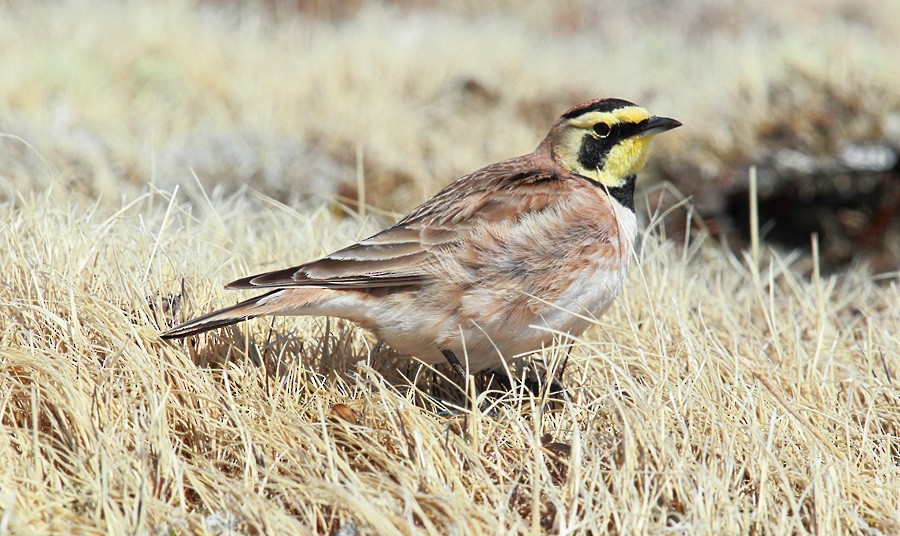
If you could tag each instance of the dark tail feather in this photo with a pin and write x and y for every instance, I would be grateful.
(216, 319)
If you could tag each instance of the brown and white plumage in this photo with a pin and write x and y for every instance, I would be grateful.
(493, 264)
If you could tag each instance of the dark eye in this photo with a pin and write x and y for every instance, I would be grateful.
(602, 129)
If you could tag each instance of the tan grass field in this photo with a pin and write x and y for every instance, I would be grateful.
(151, 152)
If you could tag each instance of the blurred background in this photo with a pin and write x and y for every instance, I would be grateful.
(312, 100)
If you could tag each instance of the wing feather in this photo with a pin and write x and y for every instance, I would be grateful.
(407, 253)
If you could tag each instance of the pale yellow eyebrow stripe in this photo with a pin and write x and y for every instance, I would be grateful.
(631, 114)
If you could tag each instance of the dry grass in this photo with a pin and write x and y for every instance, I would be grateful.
(136, 92)
(722, 394)
(714, 397)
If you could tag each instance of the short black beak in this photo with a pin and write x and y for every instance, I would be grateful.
(656, 125)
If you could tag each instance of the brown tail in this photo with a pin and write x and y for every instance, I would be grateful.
(216, 319)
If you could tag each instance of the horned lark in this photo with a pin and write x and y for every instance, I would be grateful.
(495, 263)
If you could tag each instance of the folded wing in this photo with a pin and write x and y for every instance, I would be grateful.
(408, 253)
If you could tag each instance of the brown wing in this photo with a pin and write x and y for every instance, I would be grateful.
(406, 253)
(393, 257)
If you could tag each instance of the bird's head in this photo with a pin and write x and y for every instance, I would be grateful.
(606, 140)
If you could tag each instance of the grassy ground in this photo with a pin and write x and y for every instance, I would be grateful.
(722, 394)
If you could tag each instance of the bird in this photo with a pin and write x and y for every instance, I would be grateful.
(496, 263)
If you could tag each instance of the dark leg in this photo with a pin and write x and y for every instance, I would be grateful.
(557, 389)
(457, 367)
(535, 386)
(555, 386)
(463, 381)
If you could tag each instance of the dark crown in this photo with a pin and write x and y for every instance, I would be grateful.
(600, 105)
